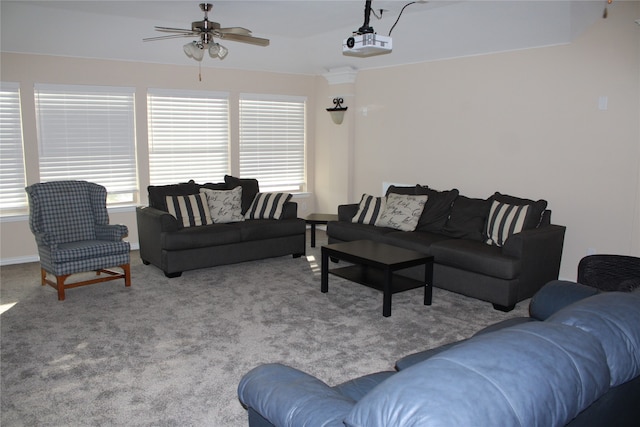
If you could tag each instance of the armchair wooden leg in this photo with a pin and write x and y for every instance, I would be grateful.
(127, 274)
(60, 286)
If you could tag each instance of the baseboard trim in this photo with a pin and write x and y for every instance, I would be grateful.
(19, 260)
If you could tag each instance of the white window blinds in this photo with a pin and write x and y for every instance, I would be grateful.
(13, 198)
(88, 133)
(188, 136)
(272, 141)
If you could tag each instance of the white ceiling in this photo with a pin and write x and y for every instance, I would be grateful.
(306, 35)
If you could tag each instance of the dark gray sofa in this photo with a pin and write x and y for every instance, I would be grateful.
(166, 244)
(452, 228)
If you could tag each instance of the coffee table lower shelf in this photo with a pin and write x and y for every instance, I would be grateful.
(375, 278)
(374, 265)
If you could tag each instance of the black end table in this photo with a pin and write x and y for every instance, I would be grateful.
(318, 218)
(374, 264)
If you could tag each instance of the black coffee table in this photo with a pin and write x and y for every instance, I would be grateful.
(374, 265)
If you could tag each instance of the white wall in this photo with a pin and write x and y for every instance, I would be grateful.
(524, 123)
(17, 243)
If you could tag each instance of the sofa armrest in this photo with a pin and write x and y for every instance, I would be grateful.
(289, 210)
(44, 239)
(540, 238)
(347, 212)
(556, 295)
(159, 219)
(152, 223)
(539, 251)
(113, 232)
(288, 397)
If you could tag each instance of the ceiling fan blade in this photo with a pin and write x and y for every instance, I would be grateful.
(172, 36)
(245, 39)
(235, 30)
(173, 30)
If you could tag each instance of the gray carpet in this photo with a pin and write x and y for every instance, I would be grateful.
(171, 351)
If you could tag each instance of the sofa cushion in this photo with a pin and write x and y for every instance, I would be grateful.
(369, 209)
(419, 241)
(504, 220)
(535, 374)
(190, 211)
(347, 231)
(224, 205)
(259, 229)
(613, 318)
(537, 208)
(421, 356)
(356, 388)
(215, 186)
(159, 193)
(87, 249)
(477, 257)
(267, 206)
(467, 219)
(437, 209)
(395, 189)
(347, 212)
(402, 211)
(200, 237)
(250, 188)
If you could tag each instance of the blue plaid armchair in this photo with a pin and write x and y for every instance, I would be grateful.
(71, 225)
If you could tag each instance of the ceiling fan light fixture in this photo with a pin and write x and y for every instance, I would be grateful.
(214, 49)
(223, 51)
(194, 50)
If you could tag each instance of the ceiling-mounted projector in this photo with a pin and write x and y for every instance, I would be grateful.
(368, 44)
(365, 42)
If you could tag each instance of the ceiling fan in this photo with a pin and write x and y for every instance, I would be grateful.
(206, 31)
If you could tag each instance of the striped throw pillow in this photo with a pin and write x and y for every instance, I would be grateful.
(504, 220)
(191, 210)
(267, 206)
(369, 209)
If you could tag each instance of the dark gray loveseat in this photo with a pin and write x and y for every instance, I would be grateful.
(452, 228)
(167, 244)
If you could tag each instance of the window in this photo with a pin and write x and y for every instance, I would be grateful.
(272, 141)
(88, 133)
(188, 136)
(13, 198)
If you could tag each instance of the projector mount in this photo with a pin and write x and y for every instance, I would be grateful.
(365, 42)
(366, 29)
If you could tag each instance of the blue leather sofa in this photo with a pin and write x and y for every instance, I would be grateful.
(575, 361)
